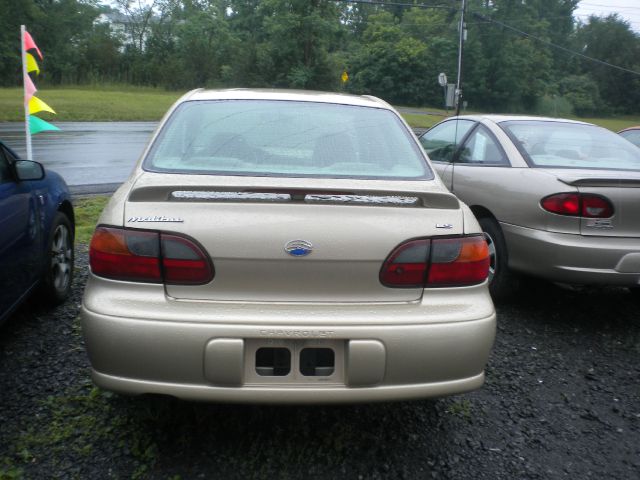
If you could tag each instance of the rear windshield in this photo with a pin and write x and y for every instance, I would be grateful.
(571, 145)
(286, 138)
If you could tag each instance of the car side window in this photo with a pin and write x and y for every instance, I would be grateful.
(441, 141)
(5, 170)
(633, 136)
(481, 148)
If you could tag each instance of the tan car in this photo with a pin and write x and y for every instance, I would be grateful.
(558, 199)
(287, 247)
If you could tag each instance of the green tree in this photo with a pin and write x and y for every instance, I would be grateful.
(14, 13)
(611, 39)
(583, 94)
(390, 63)
(101, 57)
(299, 36)
(516, 69)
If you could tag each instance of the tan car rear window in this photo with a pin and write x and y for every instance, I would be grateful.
(286, 138)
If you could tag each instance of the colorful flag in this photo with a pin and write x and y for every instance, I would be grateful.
(36, 105)
(37, 125)
(29, 89)
(32, 104)
(32, 65)
(29, 44)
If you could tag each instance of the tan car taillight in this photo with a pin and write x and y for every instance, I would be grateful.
(578, 205)
(148, 256)
(438, 262)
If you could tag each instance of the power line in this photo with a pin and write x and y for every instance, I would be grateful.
(551, 44)
(510, 20)
(396, 4)
(600, 13)
(626, 7)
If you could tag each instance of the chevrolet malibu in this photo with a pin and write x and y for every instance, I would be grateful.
(287, 247)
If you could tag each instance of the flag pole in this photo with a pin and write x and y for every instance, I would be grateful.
(27, 130)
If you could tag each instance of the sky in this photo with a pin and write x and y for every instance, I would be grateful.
(629, 10)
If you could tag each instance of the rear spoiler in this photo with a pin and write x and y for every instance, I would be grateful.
(354, 196)
(601, 182)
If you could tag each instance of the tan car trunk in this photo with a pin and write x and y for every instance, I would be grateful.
(245, 234)
(622, 188)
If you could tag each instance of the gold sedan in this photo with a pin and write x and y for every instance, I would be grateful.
(287, 247)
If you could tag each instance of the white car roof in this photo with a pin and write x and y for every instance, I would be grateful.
(507, 118)
(290, 95)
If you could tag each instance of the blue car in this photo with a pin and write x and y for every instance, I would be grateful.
(36, 233)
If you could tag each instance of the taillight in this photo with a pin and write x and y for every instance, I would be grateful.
(183, 262)
(407, 265)
(145, 256)
(578, 205)
(458, 261)
(125, 255)
(438, 262)
(595, 206)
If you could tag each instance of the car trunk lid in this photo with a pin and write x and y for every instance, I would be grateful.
(245, 224)
(621, 188)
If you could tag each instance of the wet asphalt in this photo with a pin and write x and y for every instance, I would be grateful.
(85, 153)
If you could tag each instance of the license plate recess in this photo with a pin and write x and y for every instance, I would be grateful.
(310, 361)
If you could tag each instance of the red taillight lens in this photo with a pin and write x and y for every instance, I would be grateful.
(578, 205)
(457, 261)
(407, 265)
(595, 206)
(183, 262)
(562, 204)
(151, 257)
(125, 255)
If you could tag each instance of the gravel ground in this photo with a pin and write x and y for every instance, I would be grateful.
(562, 400)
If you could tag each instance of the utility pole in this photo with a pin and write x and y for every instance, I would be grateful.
(462, 29)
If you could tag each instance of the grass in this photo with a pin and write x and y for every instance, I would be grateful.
(87, 211)
(422, 121)
(87, 104)
(614, 124)
(75, 424)
(130, 103)
(460, 408)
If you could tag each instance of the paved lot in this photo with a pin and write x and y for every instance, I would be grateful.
(562, 400)
(85, 152)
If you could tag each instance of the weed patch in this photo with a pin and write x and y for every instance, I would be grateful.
(460, 408)
(87, 212)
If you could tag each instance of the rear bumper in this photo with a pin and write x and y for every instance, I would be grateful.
(576, 259)
(288, 395)
(206, 350)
